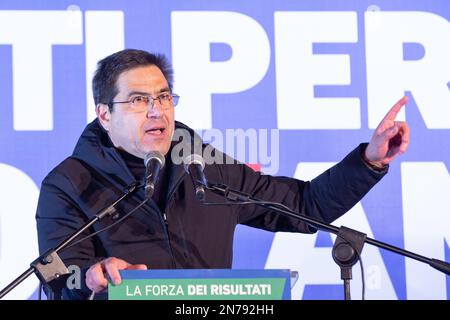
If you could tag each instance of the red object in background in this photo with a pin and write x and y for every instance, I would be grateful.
(254, 166)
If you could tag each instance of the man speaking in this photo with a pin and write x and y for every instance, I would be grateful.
(135, 109)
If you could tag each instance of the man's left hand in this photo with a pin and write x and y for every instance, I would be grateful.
(390, 138)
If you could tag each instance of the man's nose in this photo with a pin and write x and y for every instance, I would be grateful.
(155, 109)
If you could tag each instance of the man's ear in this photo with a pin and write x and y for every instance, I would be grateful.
(104, 115)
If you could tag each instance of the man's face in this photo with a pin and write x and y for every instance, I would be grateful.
(139, 132)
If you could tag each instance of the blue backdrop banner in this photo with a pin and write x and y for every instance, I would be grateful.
(304, 82)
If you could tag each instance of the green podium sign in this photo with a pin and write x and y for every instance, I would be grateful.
(202, 284)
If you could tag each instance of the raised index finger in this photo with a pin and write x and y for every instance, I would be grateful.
(395, 109)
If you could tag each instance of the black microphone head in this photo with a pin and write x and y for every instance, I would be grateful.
(154, 161)
(156, 155)
(193, 159)
(194, 165)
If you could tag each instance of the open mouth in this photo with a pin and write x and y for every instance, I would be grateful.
(156, 131)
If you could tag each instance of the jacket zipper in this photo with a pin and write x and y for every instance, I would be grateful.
(165, 224)
(163, 217)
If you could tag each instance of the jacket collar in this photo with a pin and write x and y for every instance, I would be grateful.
(96, 149)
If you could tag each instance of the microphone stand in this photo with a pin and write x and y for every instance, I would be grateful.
(49, 266)
(348, 245)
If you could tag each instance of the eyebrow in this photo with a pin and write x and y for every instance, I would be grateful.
(164, 90)
(142, 93)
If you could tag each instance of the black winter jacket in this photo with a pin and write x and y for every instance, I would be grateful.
(195, 236)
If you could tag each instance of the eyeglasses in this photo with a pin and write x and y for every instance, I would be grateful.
(140, 103)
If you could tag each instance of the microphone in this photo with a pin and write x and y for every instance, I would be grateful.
(194, 165)
(154, 161)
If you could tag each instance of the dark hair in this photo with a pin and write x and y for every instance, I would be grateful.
(109, 69)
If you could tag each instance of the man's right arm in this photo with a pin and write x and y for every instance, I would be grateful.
(57, 217)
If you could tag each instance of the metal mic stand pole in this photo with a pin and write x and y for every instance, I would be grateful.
(49, 266)
(348, 245)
